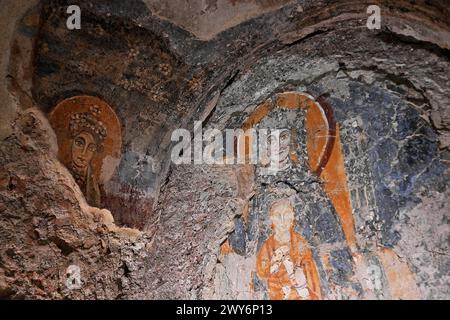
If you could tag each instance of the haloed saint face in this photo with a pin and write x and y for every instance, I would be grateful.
(281, 150)
(285, 141)
(282, 218)
(83, 149)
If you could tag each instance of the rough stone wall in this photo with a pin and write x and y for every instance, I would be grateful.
(393, 153)
(46, 226)
(385, 109)
(183, 260)
(12, 13)
(205, 19)
(133, 71)
(203, 225)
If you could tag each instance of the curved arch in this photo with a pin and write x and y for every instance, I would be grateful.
(325, 157)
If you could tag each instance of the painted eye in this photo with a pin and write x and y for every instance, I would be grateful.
(92, 148)
(79, 142)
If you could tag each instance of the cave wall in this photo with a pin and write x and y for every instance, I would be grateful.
(203, 227)
(43, 241)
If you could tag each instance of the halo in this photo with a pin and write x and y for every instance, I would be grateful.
(320, 124)
(105, 161)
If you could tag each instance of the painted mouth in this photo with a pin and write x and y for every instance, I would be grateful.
(80, 161)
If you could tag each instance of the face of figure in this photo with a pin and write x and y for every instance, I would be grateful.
(83, 149)
(285, 139)
(282, 154)
(282, 218)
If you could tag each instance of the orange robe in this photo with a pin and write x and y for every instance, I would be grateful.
(300, 256)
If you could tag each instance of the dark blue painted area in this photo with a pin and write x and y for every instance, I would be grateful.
(320, 224)
(237, 238)
(402, 150)
(341, 261)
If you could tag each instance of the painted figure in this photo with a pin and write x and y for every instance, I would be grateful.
(88, 134)
(281, 146)
(89, 143)
(285, 259)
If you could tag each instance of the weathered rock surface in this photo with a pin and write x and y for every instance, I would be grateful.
(201, 227)
(46, 226)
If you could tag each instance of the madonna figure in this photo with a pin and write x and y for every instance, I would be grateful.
(87, 133)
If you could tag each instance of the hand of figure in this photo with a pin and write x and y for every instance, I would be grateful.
(278, 258)
(300, 283)
(300, 278)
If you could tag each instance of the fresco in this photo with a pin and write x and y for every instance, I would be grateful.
(299, 225)
(89, 142)
(285, 259)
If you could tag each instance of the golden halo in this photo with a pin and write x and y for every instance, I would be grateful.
(105, 161)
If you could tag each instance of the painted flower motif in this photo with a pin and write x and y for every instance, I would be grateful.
(165, 69)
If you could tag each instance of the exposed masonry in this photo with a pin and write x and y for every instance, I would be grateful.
(201, 228)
